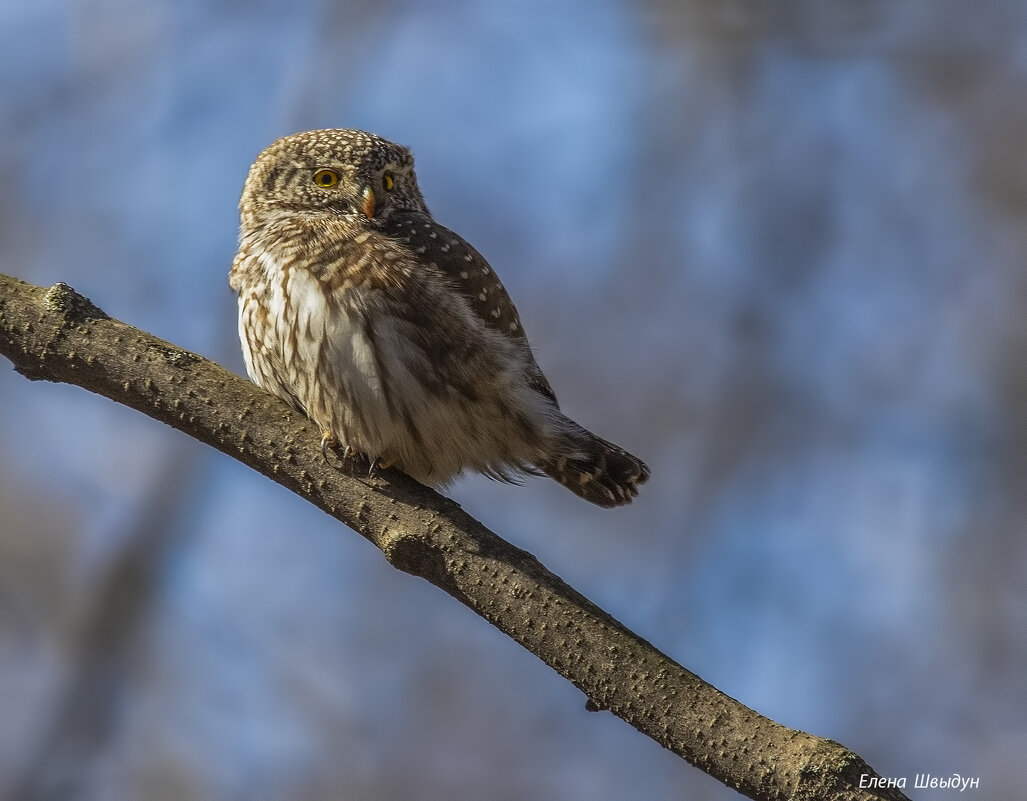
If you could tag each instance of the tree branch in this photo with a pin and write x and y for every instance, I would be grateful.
(56, 334)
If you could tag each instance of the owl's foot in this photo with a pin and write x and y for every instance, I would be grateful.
(330, 443)
(379, 463)
(328, 440)
(347, 455)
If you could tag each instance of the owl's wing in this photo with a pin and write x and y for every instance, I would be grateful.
(469, 273)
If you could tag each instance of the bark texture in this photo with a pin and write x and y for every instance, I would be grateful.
(55, 334)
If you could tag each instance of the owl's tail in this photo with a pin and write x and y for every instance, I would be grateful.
(599, 471)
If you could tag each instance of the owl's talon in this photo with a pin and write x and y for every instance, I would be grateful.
(328, 440)
(378, 464)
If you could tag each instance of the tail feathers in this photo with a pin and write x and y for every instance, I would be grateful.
(602, 474)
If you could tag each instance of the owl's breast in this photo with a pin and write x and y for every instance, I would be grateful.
(309, 344)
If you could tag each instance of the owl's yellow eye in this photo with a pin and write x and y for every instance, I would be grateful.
(388, 181)
(326, 178)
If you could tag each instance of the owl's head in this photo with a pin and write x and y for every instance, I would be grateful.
(332, 171)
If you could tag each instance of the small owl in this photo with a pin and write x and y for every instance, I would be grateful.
(391, 332)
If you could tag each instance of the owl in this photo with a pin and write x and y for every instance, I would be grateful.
(392, 333)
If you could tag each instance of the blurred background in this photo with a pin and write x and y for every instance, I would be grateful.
(777, 249)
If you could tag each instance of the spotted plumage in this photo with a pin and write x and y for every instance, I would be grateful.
(390, 331)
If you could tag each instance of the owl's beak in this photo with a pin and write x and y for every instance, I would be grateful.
(368, 202)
